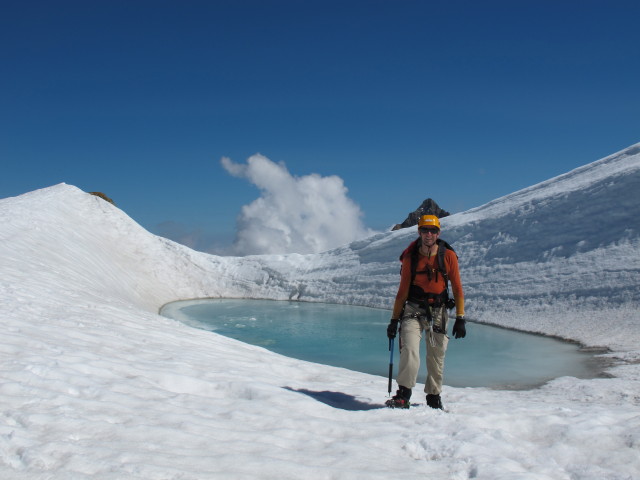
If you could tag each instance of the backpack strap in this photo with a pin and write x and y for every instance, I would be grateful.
(441, 252)
(414, 250)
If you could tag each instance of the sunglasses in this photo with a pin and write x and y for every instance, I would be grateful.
(431, 230)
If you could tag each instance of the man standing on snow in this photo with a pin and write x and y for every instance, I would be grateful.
(421, 304)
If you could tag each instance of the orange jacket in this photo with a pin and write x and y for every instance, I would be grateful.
(432, 283)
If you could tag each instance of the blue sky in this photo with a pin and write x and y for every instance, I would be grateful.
(460, 101)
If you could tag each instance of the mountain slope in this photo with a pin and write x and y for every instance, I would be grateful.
(553, 258)
(540, 259)
(95, 384)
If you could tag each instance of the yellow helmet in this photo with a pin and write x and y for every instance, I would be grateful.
(429, 221)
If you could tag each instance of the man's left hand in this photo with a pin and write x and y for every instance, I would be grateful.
(459, 329)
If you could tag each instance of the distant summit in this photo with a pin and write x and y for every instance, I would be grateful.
(428, 207)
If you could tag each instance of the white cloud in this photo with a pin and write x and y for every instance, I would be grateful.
(307, 214)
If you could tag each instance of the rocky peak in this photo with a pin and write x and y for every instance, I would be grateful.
(428, 207)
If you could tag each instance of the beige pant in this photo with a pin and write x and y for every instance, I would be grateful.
(414, 323)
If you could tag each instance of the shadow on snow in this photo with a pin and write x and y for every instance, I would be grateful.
(337, 400)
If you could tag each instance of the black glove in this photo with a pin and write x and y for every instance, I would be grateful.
(459, 330)
(392, 329)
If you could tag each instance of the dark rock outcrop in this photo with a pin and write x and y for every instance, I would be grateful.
(428, 207)
(102, 196)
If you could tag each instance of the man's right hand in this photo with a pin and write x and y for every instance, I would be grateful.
(392, 329)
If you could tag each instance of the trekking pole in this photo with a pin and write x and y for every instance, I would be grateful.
(390, 365)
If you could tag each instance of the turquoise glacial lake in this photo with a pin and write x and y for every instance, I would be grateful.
(355, 338)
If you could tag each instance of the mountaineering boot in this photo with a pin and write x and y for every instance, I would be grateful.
(434, 401)
(400, 399)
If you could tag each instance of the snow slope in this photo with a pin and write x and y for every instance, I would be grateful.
(95, 384)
